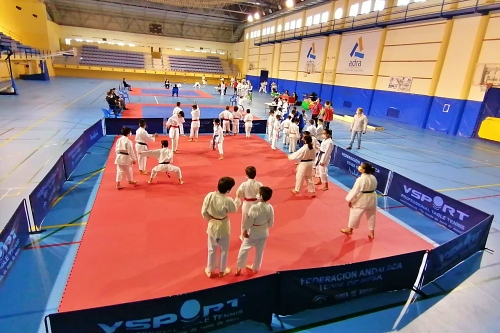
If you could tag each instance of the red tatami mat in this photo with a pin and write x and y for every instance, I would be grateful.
(148, 241)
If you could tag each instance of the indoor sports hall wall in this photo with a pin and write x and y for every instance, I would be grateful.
(355, 69)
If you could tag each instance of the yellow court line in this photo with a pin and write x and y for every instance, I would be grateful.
(467, 188)
(64, 225)
(76, 185)
(47, 118)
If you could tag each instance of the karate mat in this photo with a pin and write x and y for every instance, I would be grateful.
(149, 241)
(168, 92)
(164, 110)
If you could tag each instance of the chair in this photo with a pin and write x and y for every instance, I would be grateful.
(108, 114)
(124, 95)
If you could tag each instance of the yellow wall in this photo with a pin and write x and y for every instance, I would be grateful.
(21, 23)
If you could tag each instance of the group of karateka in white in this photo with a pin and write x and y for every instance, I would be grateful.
(257, 213)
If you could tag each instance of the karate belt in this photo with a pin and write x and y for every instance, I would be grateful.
(195, 120)
(175, 126)
(306, 160)
(122, 153)
(318, 157)
(225, 119)
(215, 218)
(213, 141)
(142, 143)
(164, 162)
(367, 191)
(258, 225)
(250, 199)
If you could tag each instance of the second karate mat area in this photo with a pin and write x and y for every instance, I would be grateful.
(149, 241)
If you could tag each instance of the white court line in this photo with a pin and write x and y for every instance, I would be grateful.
(156, 100)
(5, 194)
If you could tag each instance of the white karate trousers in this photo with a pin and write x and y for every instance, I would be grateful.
(195, 128)
(366, 204)
(141, 160)
(247, 244)
(304, 172)
(166, 168)
(248, 129)
(213, 244)
(120, 169)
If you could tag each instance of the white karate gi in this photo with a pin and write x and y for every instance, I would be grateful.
(248, 124)
(124, 157)
(263, 87)
(176, 112)
(174, 123)
(260, 219)
(285, 126)
(165, 158)
(270, 127)
(247, 192)
(319, 132)
(226, 118)
(214, 210)
(304, 169)
(197, 85)
(358, 126)
(142, 137)
(323, 157)
(218, 139)
(195, 123)
(276, 133)
(236, 122)
(363, 202)
(293, 134)
(312, 129)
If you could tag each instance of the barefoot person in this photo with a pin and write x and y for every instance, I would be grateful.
(323, 158)
(305, 155)
(363, 200)
(142, 137)
(256, 230)
(216, 206)
(125, 157)
(165, 158)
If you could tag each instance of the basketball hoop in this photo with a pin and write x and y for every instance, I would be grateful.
(485, 87)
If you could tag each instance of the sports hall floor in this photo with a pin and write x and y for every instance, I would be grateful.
(40, 124)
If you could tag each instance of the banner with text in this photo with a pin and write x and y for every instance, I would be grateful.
(450, 213)
(358, 53)
(46, 193)
(207, 126)
(348, 162)
(311, 57)
(319, 287)
(75, 153)
(200, 311)
(114, 125)
(12, 239)
(446, 256)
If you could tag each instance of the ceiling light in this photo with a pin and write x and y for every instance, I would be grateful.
(250, 18)
(131, 45)
(270, 11)
(256, 16)
(279, 7)
(289, 3)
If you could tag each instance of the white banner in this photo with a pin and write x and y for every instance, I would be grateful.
(358, 53)
(400, 83)
(312, 54)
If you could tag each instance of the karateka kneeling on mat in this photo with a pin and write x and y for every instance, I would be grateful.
(165, 157)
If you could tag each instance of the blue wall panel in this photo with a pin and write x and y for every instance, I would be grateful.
(326, 92)
(255, 82)
(286, 85)
(445, 114)
(307, 88)
(469, 119)
(406, 108)
(347, 99)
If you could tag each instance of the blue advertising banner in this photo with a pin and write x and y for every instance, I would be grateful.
(200, 311)
(450, 213)
(348, 162)
(12, 239)
(207, 127)
(114, 125)
(75, 153)
(318, 287)
(94, 133)
(46, 193)
(445, 257)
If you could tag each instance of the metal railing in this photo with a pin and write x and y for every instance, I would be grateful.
(413, 12)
